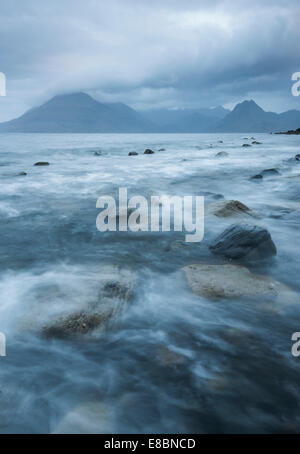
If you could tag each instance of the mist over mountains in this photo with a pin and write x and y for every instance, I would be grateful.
(80, 113)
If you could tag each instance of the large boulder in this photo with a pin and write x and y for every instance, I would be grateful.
(241, 241)
(230, 208)
(116, 286)
(230, 281)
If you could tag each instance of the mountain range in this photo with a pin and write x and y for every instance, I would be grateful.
(80, 113)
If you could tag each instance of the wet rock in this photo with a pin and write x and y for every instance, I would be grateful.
(269, 172)
(244, 241)
(97, 153)
(42, 163)
(230, 281)
(132, 153)
(297, 157)
(222, 154)
(257, 177)
(256, 143)
(87, 418)
(148, 151)
(230, 208)
(22, 174)
(169, 357)
(115, 291)
(162, 149)
(246, 145)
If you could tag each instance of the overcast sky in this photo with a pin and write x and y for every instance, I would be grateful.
(161, 53)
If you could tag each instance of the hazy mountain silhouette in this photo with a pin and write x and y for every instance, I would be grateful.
(249, 117)
(80, 113)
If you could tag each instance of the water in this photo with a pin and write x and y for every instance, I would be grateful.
(231, 368)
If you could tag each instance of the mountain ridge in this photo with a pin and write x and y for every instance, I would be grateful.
(80, 113)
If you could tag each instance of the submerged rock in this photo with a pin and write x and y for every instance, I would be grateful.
(246, 145)
(115, 291)
(132, 153)
(97, 153)
(244, 241)
(22, 174)
(87, 418)
(162, 149)
(222, 154)
(42, 163)
(269, 172)
(230, 208)
(230, 281)
(257, 177)
(256, 142)
(168, 357)
(148, 151)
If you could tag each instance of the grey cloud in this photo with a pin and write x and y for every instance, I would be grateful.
(169, 53)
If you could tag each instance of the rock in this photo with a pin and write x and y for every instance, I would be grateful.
(22, 174)
(230, 208)
(246, 145)
(230, 281)
(241, 241)
(290, 132)
(115, 291)
(148, 151)
(270, 172)
(257, 177)
(97, 153)
(220, 141)
(168, 357)
(87, 418)
(222, 154)
(42, 163)
(256, 143)
(297, 157)
(162, 149)
(132, 153)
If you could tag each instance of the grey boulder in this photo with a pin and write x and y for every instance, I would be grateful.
(241, 241)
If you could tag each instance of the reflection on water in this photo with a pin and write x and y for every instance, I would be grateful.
(175, 362)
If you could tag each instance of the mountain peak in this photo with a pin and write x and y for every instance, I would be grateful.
(248, 106)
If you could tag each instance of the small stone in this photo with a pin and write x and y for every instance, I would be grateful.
(222, 154)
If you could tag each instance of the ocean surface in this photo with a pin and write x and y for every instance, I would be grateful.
(175, 362)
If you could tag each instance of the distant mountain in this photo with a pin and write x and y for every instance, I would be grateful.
(249, 117)
(185, 120)
(78, 112)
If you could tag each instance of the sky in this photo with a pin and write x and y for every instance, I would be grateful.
(162, 53)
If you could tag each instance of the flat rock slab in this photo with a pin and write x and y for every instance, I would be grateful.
(116, 287)
(230, 281)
